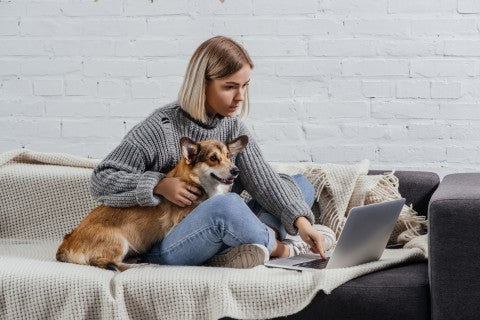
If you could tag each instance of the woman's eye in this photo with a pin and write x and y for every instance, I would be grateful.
(213, 158)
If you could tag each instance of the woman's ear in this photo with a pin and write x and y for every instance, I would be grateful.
(237, 145)
(189, 149)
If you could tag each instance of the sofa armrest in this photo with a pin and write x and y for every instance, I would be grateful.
(454, 245)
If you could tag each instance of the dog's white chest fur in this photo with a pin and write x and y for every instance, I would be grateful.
(216, 189)
(213, 188)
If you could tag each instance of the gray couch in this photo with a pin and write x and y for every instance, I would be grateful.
(445, 288)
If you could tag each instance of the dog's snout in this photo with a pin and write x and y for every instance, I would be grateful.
(235, 171)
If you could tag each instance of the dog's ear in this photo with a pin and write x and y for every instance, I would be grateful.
(189, 149)
(237, 145)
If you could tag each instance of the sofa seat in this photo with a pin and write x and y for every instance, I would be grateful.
(96, 293)
(32, 282)
(373, 295)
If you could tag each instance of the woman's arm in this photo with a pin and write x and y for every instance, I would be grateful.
(128, 175)
(278, 194)
(122, 179)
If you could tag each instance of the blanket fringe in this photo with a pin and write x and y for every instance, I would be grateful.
(318, 178)
(409, 224)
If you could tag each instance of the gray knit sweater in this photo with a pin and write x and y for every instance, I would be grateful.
(127, 176)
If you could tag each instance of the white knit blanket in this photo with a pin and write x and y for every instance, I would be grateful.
(41, 202)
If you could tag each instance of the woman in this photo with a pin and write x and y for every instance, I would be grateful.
(214, 91)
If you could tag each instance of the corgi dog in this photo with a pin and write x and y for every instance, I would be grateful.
(107, 235)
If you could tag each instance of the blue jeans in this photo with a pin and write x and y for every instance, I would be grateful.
(219, 223)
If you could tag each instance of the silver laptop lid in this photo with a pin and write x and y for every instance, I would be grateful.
(365, 234)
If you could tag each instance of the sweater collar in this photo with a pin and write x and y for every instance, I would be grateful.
(210, 123)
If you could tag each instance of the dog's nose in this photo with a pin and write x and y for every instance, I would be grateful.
(235, 171)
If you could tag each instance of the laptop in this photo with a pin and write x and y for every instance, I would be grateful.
(363, 239)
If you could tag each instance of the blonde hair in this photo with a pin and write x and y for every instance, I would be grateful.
(215, 58)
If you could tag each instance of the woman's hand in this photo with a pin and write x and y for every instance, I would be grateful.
(177, 191)
(312, 237)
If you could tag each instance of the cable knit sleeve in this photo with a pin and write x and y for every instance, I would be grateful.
(128, 175)
(278, 194)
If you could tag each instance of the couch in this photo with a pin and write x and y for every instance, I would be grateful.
(447, 287)
(414, 291)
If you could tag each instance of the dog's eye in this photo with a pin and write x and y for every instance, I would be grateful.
(213, 158)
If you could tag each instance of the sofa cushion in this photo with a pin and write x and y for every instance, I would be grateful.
(397, 293)
(33, 285)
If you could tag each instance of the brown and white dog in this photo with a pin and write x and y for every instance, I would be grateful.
(108, 235)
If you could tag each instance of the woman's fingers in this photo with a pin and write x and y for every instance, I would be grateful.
(322, 253)
(314, 250)
(319, 245)
(194, 190)
(187, 195)
(314, 239)
(312, 242)
(190, 196)
(182, 201)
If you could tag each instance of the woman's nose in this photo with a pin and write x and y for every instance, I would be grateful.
(240, 96)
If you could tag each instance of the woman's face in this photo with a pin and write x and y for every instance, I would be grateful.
(225, 96)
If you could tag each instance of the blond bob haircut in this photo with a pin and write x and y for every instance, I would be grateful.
(216, 58)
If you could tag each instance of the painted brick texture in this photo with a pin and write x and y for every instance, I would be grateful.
(394, 81)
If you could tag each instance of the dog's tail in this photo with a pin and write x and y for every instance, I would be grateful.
(63, 252)
(61, 256)
(108, 264)
(64, 255)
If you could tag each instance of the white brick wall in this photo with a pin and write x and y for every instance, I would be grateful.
(394, 81)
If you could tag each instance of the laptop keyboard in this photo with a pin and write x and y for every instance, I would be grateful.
(315, 264)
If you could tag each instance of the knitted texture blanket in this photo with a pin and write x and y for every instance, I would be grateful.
(45, 195)
(339, 188)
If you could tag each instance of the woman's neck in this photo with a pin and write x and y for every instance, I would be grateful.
(210, 112)
(211, 116)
